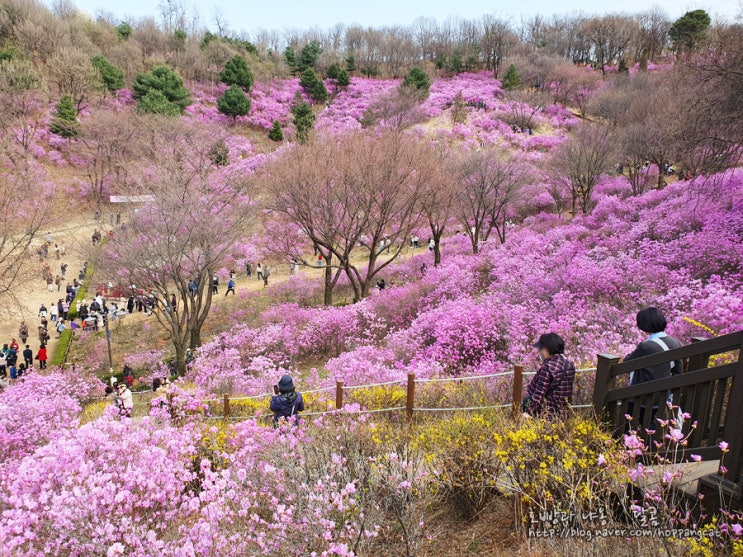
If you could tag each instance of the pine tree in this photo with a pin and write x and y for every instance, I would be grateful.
(417, 80)
(313, 85)
(333, 71)
(237, 72)
(234, 102)
(155, 102)
(308, 56)
(276, 133)
(343, 79)
(351, 64)
(161, 82)
(304, 119)
(291, 59)
(512, 79)
(64, 122)
(111, 76)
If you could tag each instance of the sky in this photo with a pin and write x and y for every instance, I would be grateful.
(250, 16)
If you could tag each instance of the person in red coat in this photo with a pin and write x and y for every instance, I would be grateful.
(41, 356)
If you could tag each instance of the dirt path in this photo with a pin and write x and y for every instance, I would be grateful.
(32, 293)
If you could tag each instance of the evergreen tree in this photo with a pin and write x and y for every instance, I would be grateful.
(234, 102)
(308, 56)
(64, 122)
(688, 30)
(123, 31)
(313, 85)
(417, 80)
(291, 58)
(343, 79)
(333, 71)
(304, 119)
(168, 84)
(237, 72)
(622, 69)
(351, 64)
(155, 102)
(111, 76)
(276, 133)
(512, 79)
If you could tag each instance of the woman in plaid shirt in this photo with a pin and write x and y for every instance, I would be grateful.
(550, 392)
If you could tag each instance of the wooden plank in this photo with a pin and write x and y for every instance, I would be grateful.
(603, 381)
(673, 382)
(716, 345)
(717, 408)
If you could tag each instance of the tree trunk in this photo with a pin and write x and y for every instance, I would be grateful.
(195, 338)
(180, 358)
(328, 297)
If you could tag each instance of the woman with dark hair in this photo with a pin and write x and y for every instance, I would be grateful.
(652, 322)
(551, 389)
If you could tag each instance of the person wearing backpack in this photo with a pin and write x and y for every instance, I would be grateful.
(652, 322)
(287, 403)
(230, 287)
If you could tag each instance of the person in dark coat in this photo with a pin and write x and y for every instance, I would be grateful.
(287, 404)
(652, 322)
(28, 356)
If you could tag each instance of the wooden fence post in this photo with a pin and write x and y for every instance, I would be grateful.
(338, 395)
(410, 401)
(603, 381)
(226, 410)
(518, 389)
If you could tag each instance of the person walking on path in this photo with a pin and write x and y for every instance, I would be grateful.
(23, 332)
(41, 356)
(230, 287)
(266, 274)
(550, 391)
(259, 271)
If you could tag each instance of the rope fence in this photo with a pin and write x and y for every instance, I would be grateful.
(410, 407)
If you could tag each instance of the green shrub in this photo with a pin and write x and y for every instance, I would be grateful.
(59, 354)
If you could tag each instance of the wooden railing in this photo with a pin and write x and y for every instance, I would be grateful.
(711, 394)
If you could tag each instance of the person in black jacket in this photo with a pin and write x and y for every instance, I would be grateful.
(652, 321)
(287, 403)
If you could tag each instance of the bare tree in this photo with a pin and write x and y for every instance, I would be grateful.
(22, 107)
(489, 185)
(610, 36)
(26, 195)
(439, 198)
(398, 110)
(178, 241)
(110, 142)
(580, 162)
(71, 73)
(367, 194)
(496, 42)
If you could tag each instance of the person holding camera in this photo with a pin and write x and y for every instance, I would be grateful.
(287, 403)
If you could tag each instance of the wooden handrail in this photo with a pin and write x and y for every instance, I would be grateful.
(717, 345)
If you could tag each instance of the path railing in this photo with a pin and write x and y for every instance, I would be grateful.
(711, 394)
(340, 393)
